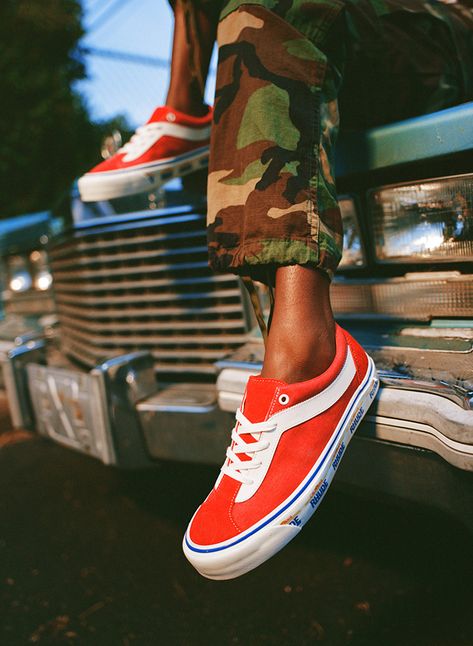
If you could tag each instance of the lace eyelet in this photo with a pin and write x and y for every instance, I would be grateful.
(283, 399)
(171, 116)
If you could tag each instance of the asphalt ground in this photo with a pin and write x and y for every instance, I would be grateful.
(92, 555)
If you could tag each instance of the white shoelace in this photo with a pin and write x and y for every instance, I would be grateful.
(143, 137)
(234, 466)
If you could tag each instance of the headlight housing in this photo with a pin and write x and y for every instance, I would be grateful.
(42, 278)
(29, 272)
(20, 279)
(353, 252)
(425, 221)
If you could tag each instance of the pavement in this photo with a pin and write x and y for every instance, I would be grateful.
(92, 555)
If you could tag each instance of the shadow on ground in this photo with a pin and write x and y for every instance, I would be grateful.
(91, 555)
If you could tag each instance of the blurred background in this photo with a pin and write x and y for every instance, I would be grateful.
(74, 71)
(126, 49)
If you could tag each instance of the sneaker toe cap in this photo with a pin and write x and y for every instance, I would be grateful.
(213, 522)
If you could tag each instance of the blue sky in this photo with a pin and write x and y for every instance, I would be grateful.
(113, 87)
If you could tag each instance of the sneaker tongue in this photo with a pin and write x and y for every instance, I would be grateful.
(258, 397)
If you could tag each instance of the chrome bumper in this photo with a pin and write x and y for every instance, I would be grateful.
(22, 340)
(98, 413)
(119, 414)
(13, 361)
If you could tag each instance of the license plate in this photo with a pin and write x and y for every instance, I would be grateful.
(70, 407)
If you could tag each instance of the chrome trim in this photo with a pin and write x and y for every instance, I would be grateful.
(437, 200)
(181, 398)
(70, 408)
(126, 380)
(14, 362)
(414, 296)
(461, 396)
(183, 422)
(352, 236)
(446, 332)
(449, 421)
(95, 412)
(422, 436)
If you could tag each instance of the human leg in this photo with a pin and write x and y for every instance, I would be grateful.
(195, 28)
(273, 214)
(398, 60)
(272, 197)
(174, 142)
(272, 210)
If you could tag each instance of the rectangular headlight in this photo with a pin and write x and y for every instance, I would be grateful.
(353, 254)
(425, 221)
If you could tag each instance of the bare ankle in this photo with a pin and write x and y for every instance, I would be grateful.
(301, 342)
(299, 356)
(191, 108)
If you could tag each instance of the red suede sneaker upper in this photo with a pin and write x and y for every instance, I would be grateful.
(168, 133)
(221, 517)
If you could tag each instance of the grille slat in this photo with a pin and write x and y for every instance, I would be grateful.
(81, 354)
(189, 326)
(101, 354)
(151, 297)
(152, 340)
(146, 285)
(81, 247)
(78, 286)
(130, 270)
(132, 256)
(94, 314)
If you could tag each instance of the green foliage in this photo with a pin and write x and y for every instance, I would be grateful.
(46, 136)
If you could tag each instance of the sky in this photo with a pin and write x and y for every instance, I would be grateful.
(142, 27)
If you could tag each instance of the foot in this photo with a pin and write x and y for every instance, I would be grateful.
(286, 447)
(172, 144)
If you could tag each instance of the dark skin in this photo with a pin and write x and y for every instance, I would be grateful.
(301, 340)
(187, 82)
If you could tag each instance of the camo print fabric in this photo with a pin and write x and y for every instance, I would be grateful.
(286, 70)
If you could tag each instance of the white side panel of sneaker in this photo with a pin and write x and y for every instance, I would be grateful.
(153, 132)
(293, 416)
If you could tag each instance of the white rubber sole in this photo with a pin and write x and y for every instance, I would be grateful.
(95, 187)
(245, 552)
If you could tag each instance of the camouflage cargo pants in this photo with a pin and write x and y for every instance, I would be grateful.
(287, 69)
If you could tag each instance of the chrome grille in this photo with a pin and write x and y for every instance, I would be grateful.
(144, 284)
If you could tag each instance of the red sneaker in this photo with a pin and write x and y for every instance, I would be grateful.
(286, 447)
(171, 144)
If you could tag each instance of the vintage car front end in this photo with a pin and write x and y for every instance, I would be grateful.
(28, 305)
(155, 350)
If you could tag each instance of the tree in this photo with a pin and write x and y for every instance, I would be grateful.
(46, 135)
